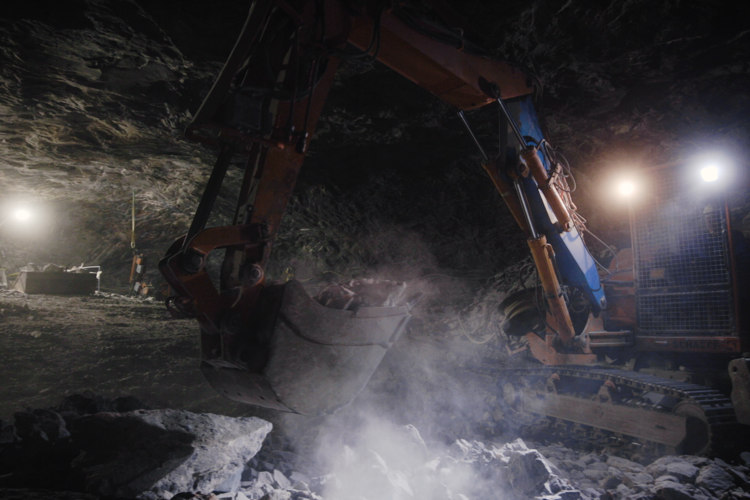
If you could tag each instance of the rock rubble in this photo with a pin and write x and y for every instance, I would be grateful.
(151, 454)
(474, 470)
(130, 453)
(109, 449)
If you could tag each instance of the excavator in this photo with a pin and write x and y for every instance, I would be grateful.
(620, 354)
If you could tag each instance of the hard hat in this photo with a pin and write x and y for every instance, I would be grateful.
(710, 209)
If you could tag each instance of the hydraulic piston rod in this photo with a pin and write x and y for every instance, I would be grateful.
(530, 155)
(461, 115)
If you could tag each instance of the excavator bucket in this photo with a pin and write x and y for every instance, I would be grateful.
(317, 359)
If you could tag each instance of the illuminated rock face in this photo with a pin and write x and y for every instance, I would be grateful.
(91, 105)
(94, 97)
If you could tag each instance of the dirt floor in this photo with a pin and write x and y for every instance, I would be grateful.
(112, 345)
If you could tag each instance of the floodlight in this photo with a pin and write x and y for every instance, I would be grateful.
(710, 173)
(626, 188)
(22, 214)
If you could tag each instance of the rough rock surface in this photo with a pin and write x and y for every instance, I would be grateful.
(147, 454)
(94, 97)
(528, 471)
(159, 453)
(108, 344)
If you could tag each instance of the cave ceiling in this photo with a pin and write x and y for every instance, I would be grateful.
(95, 94)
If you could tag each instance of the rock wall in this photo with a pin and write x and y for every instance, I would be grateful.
(94, 96)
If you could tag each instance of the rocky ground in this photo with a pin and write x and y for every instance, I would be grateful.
(114, 345)
(96, 448)
(94, 96)
(107, 344)
(79, 371)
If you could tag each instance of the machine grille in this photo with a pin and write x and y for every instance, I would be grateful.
(682, 269)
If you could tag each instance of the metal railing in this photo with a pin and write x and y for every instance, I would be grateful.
(683, 280)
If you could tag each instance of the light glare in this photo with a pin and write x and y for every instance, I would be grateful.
(22, 214)
(710, 173)
(626, 188)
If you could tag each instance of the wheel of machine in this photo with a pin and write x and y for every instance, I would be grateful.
(697, 429)
(521, 314)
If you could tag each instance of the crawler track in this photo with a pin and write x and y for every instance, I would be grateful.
(634, 413)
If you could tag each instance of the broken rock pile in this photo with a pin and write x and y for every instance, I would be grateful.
(473, 470)
(145, 454)
(667, 478)
(116, 449)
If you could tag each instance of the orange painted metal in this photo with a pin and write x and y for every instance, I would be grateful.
(668, 429)
(551, 194)
(719, 345)
(738, 317)
(279, 175)
(206, 300)
(542, 252)
(288, 85)
(454, 76)
(545, 352)
(620, 290)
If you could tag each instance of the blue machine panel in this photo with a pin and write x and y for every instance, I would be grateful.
(574, 262)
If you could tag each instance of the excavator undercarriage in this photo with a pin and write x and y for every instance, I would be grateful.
(625, 412)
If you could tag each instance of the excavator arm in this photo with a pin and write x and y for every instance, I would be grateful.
(271, 344)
